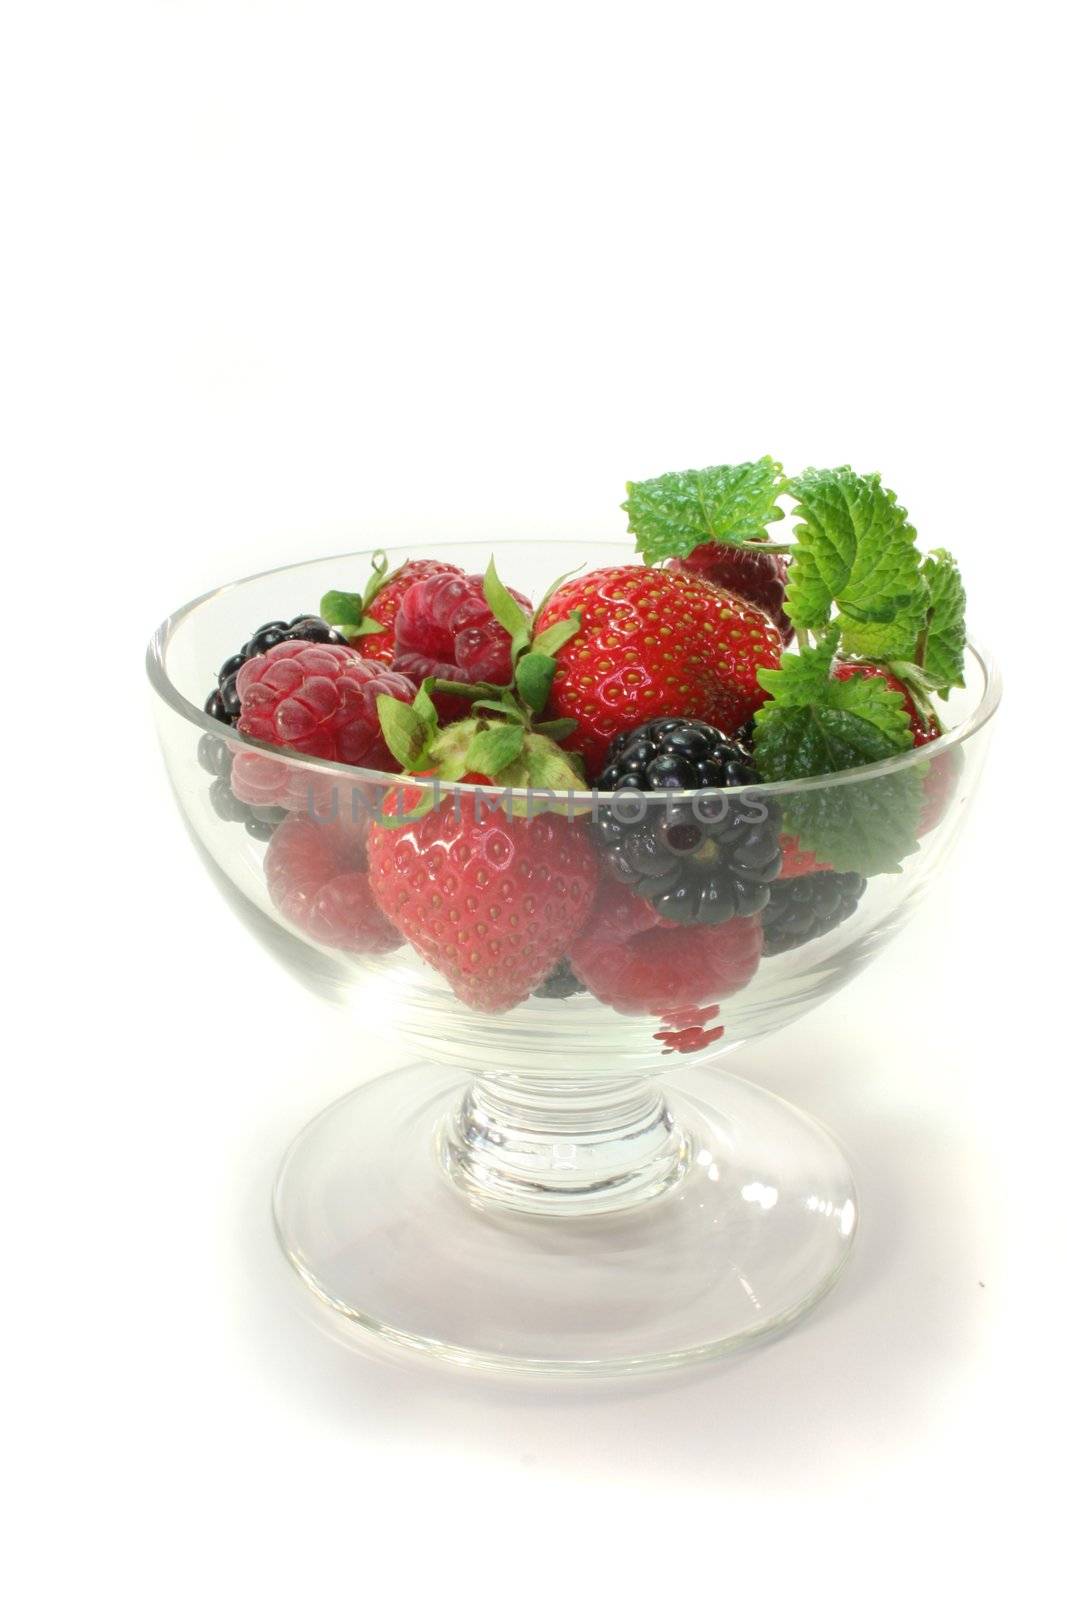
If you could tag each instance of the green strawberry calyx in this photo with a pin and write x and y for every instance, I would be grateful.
(347, 611)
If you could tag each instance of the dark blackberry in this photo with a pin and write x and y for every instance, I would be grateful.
(560, 984)
(801, 909)
(216, 758)
(705, 859)
(223, 703)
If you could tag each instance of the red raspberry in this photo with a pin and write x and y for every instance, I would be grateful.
(445, 629)
(492, 903)
(642, 965)
(386, 603)
(758, 576)
(316, 875)
(319, 699)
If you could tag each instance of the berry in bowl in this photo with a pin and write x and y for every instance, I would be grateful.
(552, 839)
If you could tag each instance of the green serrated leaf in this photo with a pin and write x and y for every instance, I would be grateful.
(533, 679)
(494, 748)
(868, 827)
(672, 514)
(854, 546)
(886, 641)
(946, 634)
(404, 731)
(815, 725)
(804, 682)
(506, 609)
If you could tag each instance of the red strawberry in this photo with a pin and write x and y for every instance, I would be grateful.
(654, 643)
(316, 875)
(320, 699)
(922, 732)
(797, 863)
(642, 965)
(492, 903)
(386, 603)
(939, 784)
(758, 576)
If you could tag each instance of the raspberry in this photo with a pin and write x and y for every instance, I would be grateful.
(757, 576)
(642, 965)
(224, 703)
(316, 876)
(386, 603)
(445, 629)
(319, 699)
(259, 816)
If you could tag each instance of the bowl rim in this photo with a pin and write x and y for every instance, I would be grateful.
(155, 662)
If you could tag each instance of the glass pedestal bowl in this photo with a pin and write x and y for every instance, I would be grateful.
(522, 1190)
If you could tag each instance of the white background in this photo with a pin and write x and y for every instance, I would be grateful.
(288, 276)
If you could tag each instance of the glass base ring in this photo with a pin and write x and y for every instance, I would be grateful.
(749, 1238)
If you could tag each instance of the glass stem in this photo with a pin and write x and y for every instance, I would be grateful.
(562, 1145)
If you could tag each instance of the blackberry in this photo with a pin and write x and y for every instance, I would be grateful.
(705, 859)
(216, 759)
(801, 909)
(223, 703)
(560, 984)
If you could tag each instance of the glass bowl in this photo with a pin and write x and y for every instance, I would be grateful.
(520, 1190)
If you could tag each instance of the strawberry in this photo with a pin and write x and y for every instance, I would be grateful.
(923, 729)
(492, 902)
(797, 863)
(653, 643)
(939, 783)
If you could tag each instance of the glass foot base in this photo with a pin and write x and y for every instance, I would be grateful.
(747, 1241)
